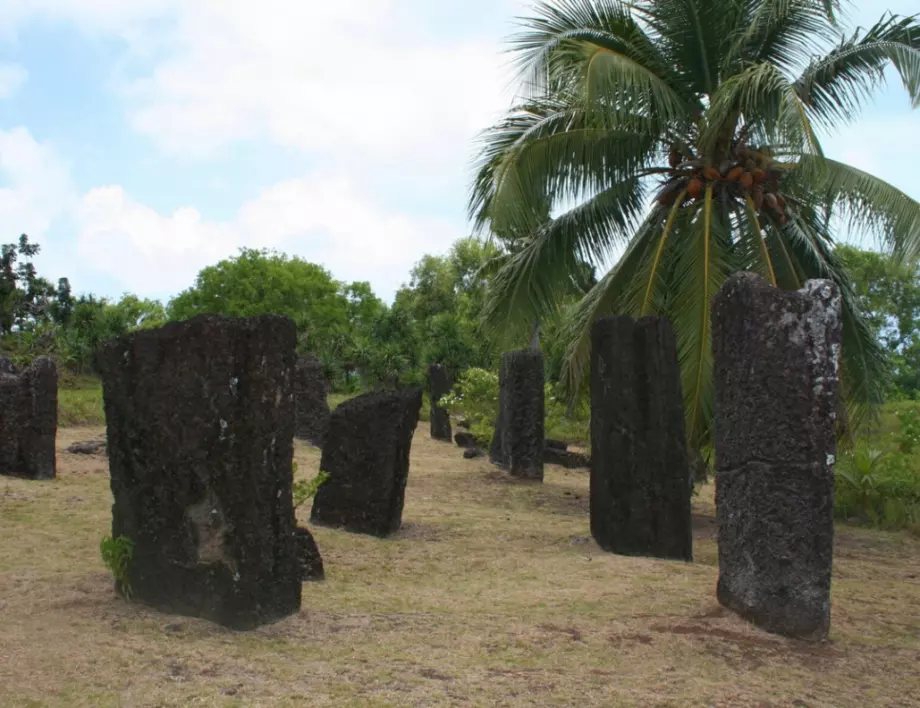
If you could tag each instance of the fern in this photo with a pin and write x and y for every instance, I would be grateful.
(117, 554)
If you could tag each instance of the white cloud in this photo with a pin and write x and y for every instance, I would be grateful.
(12, 77)
(322, 217)
(35, 187)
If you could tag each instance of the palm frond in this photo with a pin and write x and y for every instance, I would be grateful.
(867, 202)
(834, 87)
(533, 280)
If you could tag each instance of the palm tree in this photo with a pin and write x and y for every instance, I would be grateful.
(683, 136)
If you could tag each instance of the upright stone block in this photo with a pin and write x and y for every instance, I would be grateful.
(200, 421)
(640, 472)
(312, 410)
(776, 376)
(440, 382)
(518, 440)
(28, 419)
(367, 457)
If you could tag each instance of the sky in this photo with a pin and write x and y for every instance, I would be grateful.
(141, 140)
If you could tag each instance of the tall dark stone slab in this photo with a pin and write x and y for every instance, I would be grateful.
(200, 421)
(28, 419)
(312, 410)
(776, 377)
(308, 555)
(440, 382)
(367, 457)
(640, 472)
(518, 441)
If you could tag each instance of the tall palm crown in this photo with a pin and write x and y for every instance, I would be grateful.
(685, 133)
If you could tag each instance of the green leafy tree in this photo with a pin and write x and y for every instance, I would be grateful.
(682, 134)
(27, 300)
(888, 291)
(258, 282)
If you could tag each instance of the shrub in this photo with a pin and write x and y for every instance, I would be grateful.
(909, 434)
(878, 488)
(304, 490)
(475, 397)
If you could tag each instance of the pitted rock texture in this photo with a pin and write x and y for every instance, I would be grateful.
(308, 556)
(367, 457)
(28, 419)
(518, 442)
(312, 410)
(440, 381)
(640, 473)
(200, 428)
(776, 374)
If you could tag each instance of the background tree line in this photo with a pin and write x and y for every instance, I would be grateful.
(363, 342)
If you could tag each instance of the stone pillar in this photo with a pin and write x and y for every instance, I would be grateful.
(367, 457)
(640, 472)
(200, 420)
(28, 419)
(440, 382)
(776, 364)
(518, 441)
(312, 410)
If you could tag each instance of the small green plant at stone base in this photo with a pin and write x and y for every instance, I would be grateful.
(304, 490)
(117, 554)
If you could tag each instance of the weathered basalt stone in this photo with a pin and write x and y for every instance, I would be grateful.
(87, 447)
(640, 474)
(367, 457)
(200, 427)
(566, 458)
(471, 453)
(6, 366)
(518, 442)
(557, 444)
(440, 382)
(776, 375)
(28, 419)
(308, 556)
(312, 410)
(465, 439)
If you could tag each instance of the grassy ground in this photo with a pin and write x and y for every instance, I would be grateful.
(492, 594)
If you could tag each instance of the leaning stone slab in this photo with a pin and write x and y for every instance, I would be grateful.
(640, 474)
(367, 457)
(518, 442)
(776, 384)
(308, 556)
(312, 410)
(28, 419)
(200, 426)
(440, 382)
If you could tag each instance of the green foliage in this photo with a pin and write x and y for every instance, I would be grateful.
(80, 401)
(877, 488)
(475, 397)
(305, 490)
(909, 434)
(117, 554)
(26, 300)
(631, 120)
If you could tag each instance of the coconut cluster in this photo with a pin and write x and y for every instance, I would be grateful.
(746, 173)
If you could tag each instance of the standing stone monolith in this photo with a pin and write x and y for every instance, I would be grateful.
(776, 357)
(312, 410)
(640, 473)
(28, 419)
(518, 441)
(200, 428)
(440, 382)
(367, 457)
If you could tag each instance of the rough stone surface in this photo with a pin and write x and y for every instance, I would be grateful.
(471, 453)
(6, 366)
(312, 410)
(28, 419)
(566, 458)
(776, 360)
(640, 473)
(518, 442)
(440, 381)
(308, 556)
(465, 439)
(87, 447)
(557, 444)
(367, 457)
(200, 427)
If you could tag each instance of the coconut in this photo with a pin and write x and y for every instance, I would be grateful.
(734, 173)
(746, 180)
(694, 187)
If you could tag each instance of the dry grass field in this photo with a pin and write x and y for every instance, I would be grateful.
(492, 594)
